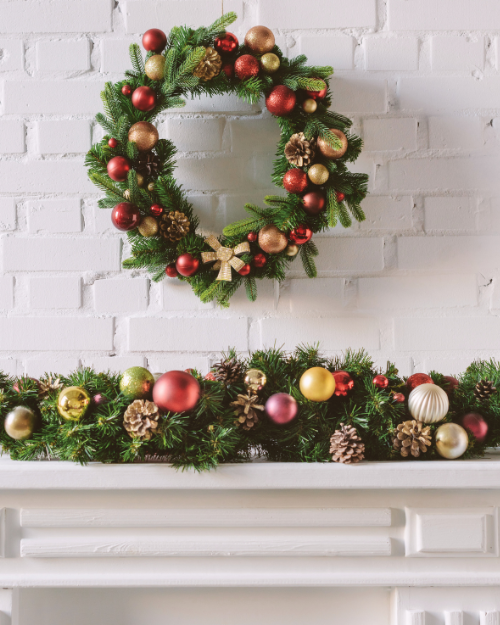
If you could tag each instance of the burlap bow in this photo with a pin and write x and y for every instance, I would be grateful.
(224, 257)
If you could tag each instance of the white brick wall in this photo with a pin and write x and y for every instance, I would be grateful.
(417, 282)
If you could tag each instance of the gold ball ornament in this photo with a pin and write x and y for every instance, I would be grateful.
(292, 250)
(428, 403)
(328, 151)
(260, 39)
(272, 240)
(451, 440)
(145, 136)
(141, 180)
(137, 383)
(255, 379)
(317, 384)
(318, 174)
(151, 187)
(148, 226)
(270, 62)
(155, 67)
(73, 403)
(20, 423)
(309, 105)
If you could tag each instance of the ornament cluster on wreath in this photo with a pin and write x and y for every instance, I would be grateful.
(134, 167)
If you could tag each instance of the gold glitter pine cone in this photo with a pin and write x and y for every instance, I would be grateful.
(141, 419)
(299, 151)
(174, 226)
(346, 446)
(412, 437)
(209, 66)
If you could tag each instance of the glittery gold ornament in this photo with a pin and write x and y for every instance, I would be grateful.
(328, 151)
(260, 39)
(140, 179)
(272, 240)
(148, 226)
(73, 403)
(145, 136)
(20, 423)
(155, 67)
(451, 441)
(270, 62)
(209, 66)
(318, 174)
(151, 187)
(309, 105)
(292, 250)
(317, 384)
(136, 383)
(255, 380)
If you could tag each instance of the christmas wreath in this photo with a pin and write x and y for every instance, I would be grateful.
(134, 167)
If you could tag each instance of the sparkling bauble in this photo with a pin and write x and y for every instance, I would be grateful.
(270, 63)
(399, 398)
(475, 423)
(252, 236)
(144, 135)
(187, 265)
(99, 399)
(309, 106)
(148, 226)
(118, 168)
(245, 270)
(255, 380)
(343, 383)
(318, 174)
(20, 423)
(246, 66)
(317, 384)
(292, 249)
(26, 384)
(73, 403)
(281, 408)
(154, 40)
(380, 381)
(156, 210)
(281, 100)
(259, 260)
(340, 196)
(328, 151)
(428, 403)
(318, 95)
(151, 187)
(126, 90)
(112, 142)
(260, 39)
(295, 180)
(155, 67)
(144, 99)
(450, 384)
(226, 44)
(176, 391)
(125, 216)
(272, 240)
(451, 441)
(314, 202)
(300, 235)
(171, 270)
(228, 69)
(136, 383)
(417, 379)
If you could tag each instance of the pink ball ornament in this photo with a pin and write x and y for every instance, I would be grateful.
(475, 423)
(281, 408)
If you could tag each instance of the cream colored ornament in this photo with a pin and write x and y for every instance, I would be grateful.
(451, 440)
(428, 403)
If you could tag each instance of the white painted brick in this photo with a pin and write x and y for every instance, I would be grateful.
(48, 254)
(178, 362)
(264, 304)
(63, 136)
(454, 133)
(390, 134)
(121, 295)
(63, 56)
(349, 254)
(189, 335)
(55, 293)
(449, 213)
(55, 334)
(114, 364)
(57, 97)
(337, 51)
(102, 220)
(283, 14)
(11, 137)
(8, 366)
(457, 53)
(387, 213)
(56, 16)
(320, 295)
(418, 291)
(6, 292)
(254, 135)
(229, 103)
(232, 205)
(41, 365)
(444, 15)
(448, 93)
(447, 333)
(177, 295)
(115, 57)
(205, 209)
(359, 95)
(54, 216)
(7, 213)
(11, 55)
(495, 299)
(195, 135)
(391, 53)
(464, 253)
(213, 173)
(45, 177)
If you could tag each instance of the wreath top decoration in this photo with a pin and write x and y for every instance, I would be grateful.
(134, 167)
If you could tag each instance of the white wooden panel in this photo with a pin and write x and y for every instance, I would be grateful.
(454, 618)
(414, 617)
(2, 532)
(489, 618)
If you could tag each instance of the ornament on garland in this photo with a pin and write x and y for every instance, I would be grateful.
(260, 39)
(292, 250)
(187, 265)
(148, 227)
(450, 384)
(428, 403)
(136, 383)
(281, 408)
(141, 419)
(224, 257)
(171, 270)
(281, 101)
(318, 95)
(300, 235)
(26, 384)
(174, 226)
(475, 423)
(112, 142)
(272, 240)
(340, 196)
(147, 164)
(144, 135)
(245, 270)
(314, 202)
(151, 187)
(299, 151)
(318, 174)
(484, 390)
(226, 43)
(228, 371)
(155, 67)
(118, 168)
(295, 181)
(343, 383)
(246, 66)
(309, 106)
(126, 90)
(380, 381)
(20, 423)
(317, 384)
(399, 398)
(255, 380)
(144, 99)
(412, 437)
(246, 407)
(99, 399)
(176, 391)
(156, 210)
(451, 441)
(417, 379)
(209, 66)
(228, 69)
(346, 446)
(327, 149)
(125, 216)
(252, 237)
(154, 40)
(48, 385)
(73, 403)
(270, 63)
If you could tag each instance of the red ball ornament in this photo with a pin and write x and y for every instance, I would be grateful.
(171, 270)
(125, 216)
(118, 168)
(450, 384)
(187, 265)
(154, 40)
(252, 236)
(300, 235)
(246, 66)
(259, 260)
(343, 383)
(210, 376)
(281, 408)
(144, 99)
(380, 381)
(245, 270)
(475, 423)
(340, 196)
(156, 210)
(314, 202)
(399, 398)
(112, 142)
(226, 44)
(126, 90)
(318, 95)
(295, 180)
(281, 100)
(176, 391)
(228, 69)
(417, 379)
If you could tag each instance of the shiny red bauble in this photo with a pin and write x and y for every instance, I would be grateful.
(450, 384)
(246, 66)
(281, 100)
(226, 44)
(259, 260)
(187, 265)
(300, 235)
(228, 69)
(380, 381)
(154, 40)
(399, 398)
(210, 376)
(295, 180)
(126, 90)
(314, 202)
(318, 95)
(343, 383)
(417, 379)
(281, 408)
(171, 270)
(340, 196)
(252, 236)
(176, 391)
(144, 99)
(26, 384)
(475, 423)
(156, 210)
(118, 168)
(245, 270)
(112, 142)
(125, 216)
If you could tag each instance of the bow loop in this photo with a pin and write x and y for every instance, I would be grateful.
(224, 257)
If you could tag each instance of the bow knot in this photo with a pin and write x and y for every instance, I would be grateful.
(224, 257)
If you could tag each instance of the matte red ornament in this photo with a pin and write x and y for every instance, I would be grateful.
(118, 168)
(126, 90)
(450, 384)
(340, 196)
(144, 99)
(417, 379)
(259, 260)
(343, 383)
(475, 423)
(112, 142)
(176, 391)
(295, 180)
(156, 210)
(314, 202)
(399, 398)
(187, 265)
(281, 100)
(318, 95)
(300, 235)
(125, 216)
(171, 270)
(155, 40)
(23, 384)
(245, 270)
(281, 408)
(210, 376)
(228, 69)
(226, 44)
(252, 236)
(380, 381)
(246, 66)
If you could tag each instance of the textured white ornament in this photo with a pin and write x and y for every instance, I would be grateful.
(428, 403)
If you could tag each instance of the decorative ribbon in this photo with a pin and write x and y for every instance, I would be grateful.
(224, 257)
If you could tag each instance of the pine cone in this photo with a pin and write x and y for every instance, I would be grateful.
(141, 419)
(484, 390)
(299, 151)
(174, 226)
(228, 371)
(412, 437)
(47, 385)
(346, 445)
(148, 164)
(246, 405)
(209, 66)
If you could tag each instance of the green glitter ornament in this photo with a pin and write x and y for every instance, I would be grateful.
(137, 383)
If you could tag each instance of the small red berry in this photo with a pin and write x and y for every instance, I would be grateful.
(112, 142)
(126, 90)
(259, 260)
(340, 196)
(252, 237)
(171, 271)
(156, 210)
(245, 270)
